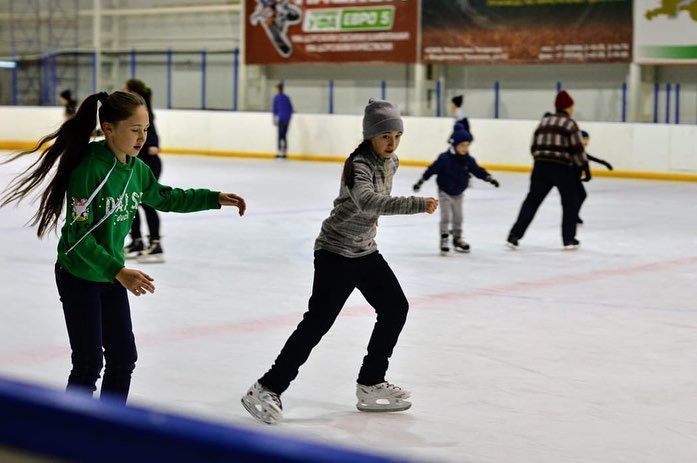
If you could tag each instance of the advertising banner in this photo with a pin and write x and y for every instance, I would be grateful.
(665, 31)
(331, 31)
(526, 31)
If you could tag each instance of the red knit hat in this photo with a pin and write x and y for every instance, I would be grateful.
(563, 101)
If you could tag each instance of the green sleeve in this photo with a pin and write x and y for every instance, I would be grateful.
(88, 252)
(168, 199)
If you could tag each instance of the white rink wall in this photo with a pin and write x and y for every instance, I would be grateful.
(631, 148)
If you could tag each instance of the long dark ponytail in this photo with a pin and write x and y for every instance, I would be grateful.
(68, 148)
(347, 176)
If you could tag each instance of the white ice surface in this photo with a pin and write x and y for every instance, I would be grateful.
(531, 355)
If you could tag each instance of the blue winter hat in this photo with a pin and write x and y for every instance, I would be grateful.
(460, 134)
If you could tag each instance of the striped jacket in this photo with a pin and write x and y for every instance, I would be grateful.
(351, 227)
(558, 139)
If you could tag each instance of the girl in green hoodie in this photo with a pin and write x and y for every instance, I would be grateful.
(103, 183)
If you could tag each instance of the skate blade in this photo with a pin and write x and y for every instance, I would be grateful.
(511, 246)
(266, 418)
(154, 259)
(463, 251)
(132, 255)
(571, 247)
(377, 408)
(445, 253)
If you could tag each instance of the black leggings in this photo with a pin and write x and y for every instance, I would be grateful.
(335, 279)
(151, 215)
(98, 318)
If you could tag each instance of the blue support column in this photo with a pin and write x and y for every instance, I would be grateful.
(331, 97)
(624, 102)
(133, 63)
(497, 89)
(203, 79)
(677, 103)
(438, 90)
(169, 78)
(235, 77)
(667, 103)
(94, 72)
(54, 80)
(15, 81)
(656, 91)
(383, 90)
(558, 87)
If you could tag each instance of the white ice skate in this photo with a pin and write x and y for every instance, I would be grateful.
(382, 397)
(263, 404)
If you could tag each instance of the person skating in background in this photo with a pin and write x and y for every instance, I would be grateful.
(459, 112)
(452, 170)
(70, 105)
(149, 154)
(102, 183)
(282, 113)
(346, 258)
(585, 174)
(557, 149)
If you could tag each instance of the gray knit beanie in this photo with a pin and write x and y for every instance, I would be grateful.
(380, 117)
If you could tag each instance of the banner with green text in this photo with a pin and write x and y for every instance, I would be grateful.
(665, 31)
(526, 31)
(331, 31)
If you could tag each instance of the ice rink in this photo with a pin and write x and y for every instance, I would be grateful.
(535, 355)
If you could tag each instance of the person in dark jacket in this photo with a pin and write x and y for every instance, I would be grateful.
(149, 154)
(452, 170)
(70, 105)
(584, 174)
(282, 113)
(558, 152)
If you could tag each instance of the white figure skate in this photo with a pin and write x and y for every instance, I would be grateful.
(263, 404)
(382, 397)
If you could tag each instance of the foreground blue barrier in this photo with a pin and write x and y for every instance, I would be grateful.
(53, 423)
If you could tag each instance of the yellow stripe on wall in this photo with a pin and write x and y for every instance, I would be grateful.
(686, 177)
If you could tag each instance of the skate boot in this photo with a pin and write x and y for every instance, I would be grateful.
(572, 245)
(444, 248)
(263, 404)
(134, 248)
(512, 242)
(460, 245)
(382, 397)
(153, 254)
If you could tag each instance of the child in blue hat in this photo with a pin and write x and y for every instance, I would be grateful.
(452, 170)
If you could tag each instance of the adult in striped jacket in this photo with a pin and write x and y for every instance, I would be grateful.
(557, 149)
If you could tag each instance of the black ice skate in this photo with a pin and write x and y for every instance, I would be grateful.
(460, 245)
(512, 242)
(153, 254)
(134, 248)
(444, 248)
(572, 245)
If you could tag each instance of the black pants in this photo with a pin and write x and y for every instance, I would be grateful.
(98, 319)
(335, 278)
(582, 195)
(150, 214)
(282, 135)
(545, 176)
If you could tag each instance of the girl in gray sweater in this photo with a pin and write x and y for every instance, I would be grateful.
(346, 257)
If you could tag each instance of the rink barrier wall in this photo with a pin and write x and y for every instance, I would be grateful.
(645, 151)
(72, 427)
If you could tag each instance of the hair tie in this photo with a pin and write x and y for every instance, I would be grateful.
(102, 97)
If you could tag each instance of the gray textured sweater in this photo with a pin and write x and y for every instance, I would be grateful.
(351, 227)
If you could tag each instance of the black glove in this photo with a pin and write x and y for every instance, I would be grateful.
(586, 177)
(608, 165)
(417, 185)
(493, 181)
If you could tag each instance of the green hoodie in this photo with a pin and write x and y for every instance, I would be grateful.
(97, 255)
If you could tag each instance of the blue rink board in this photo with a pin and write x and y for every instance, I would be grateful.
(73, 427)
